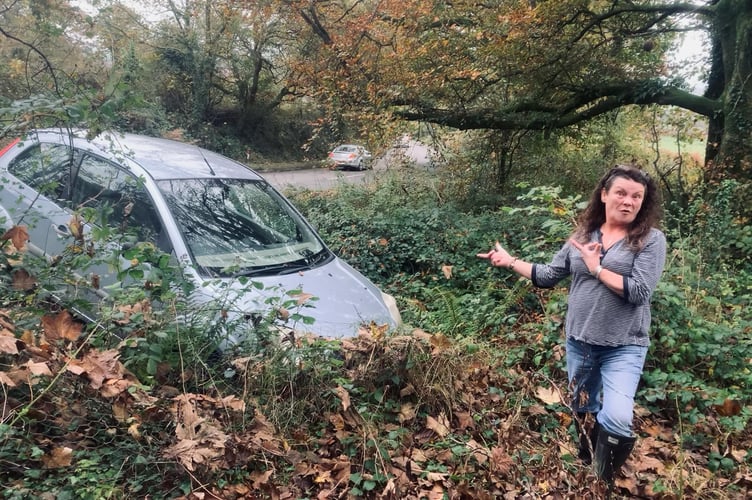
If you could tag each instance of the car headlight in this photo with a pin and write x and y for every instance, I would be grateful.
(391, 304)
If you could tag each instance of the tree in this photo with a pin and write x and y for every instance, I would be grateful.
(223, 61)
(47, 72)
(539, 65)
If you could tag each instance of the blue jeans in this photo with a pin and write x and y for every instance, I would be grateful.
(612, 371)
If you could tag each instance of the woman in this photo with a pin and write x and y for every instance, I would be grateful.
(615, 258)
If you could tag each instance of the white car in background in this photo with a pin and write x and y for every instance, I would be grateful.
(350, 156)
(219, 219)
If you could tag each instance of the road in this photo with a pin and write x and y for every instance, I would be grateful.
(415, 154)
(315, 178)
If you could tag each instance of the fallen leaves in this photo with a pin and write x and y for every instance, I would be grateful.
(22, 281)
(450, 426)
(61, 326)
(98, 366)
(548, 395)
(8, 341)
(439, 425)
(58, 457)
(200, 439)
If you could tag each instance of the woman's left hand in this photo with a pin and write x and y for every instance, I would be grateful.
(498, 256)
(591, 253)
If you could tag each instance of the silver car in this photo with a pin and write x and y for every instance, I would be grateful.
(350, 156)
(220, 220)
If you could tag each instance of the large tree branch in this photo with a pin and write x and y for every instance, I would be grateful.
(536, 116)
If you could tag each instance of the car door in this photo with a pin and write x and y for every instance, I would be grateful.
(118, 213)
(37, 193)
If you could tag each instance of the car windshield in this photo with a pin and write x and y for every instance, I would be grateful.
(241, 227)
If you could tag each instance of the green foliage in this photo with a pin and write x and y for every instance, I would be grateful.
(701, 326)
(701, 340)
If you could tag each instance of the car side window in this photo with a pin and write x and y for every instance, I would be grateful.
(46, 168)
(119, 197)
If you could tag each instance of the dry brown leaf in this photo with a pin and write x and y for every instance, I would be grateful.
(6, 380)
(440, 343)
(120, 411)
(38, 369)
(23, 281)
(58, 457)
(648, 463)
(27, 337)
(421, 335)
(447, 270)
(548, 395)
(739, 455)
(418, 456)
(464, 420)
(98, 366)
(190, 453)
(480, 452)
(261, 478)
(189, 421)
(344, 396)
(283, 314)
(241, 364)
(76, 227)
(128, 310)
(239, 490)
(233, 403)
(390, 490)
(372, 330)
(17, 375)
(536, 410)
(408, 390)
(440, 426)
(501, 462)
(338, 421)
(729, 408)
(200, 441)
(134, 431)
(407, 413)
(18, 236)
(61, 326)
(8, 342)
(302, 297)
(114, 387)
(5, 321)
(653, 430)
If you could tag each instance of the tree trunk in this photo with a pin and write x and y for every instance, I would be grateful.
(733, 30)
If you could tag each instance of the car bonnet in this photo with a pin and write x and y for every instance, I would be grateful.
(346, 299)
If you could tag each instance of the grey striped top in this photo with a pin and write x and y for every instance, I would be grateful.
(597, 315)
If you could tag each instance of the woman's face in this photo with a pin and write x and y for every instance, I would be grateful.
(623, 200)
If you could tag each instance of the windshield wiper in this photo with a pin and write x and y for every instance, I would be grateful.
(283, 268)
(314, 258)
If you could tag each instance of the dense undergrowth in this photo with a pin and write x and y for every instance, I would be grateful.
(468, 400)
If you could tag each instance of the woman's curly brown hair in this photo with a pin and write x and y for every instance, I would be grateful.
(648, 217)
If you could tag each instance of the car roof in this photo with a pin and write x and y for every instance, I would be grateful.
(161, 159)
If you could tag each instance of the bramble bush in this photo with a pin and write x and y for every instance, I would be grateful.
(702, 329)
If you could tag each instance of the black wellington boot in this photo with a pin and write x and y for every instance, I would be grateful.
(611, 451)
(586, 439)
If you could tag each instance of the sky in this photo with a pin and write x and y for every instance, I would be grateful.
(689, 58)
